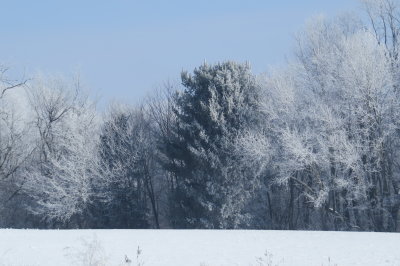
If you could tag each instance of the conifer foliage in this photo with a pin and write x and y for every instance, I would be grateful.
(217, 105)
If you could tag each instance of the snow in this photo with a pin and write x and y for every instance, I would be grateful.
(198, 247)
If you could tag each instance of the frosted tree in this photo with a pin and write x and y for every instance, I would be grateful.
(159, 108)
(66, 125)
(356, 87)
(329, 119)
(16, 145)
(384, 18)
(218, 103)
(128, 162)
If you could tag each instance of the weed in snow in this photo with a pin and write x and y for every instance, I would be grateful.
(92, 254)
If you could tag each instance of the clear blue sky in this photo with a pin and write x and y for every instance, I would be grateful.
(124, 48)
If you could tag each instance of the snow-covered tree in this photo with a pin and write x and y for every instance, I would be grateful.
(66, 124)
(218, 103)
(330, 118)
(128, 165)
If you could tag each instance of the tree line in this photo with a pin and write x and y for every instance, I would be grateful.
(312, 145)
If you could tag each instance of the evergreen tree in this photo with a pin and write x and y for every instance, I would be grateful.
(218, 104)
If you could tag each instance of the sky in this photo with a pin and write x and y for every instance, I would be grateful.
(124, 49)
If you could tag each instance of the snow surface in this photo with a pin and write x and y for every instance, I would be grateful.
(198, 247)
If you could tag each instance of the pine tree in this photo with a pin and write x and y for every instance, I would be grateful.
(218, 103)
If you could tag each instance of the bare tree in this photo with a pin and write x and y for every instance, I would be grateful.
(7, 83)
(12, 153)
(384, 16)
(67, 140)
(129, 163)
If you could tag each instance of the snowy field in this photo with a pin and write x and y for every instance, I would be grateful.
(197, 247)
